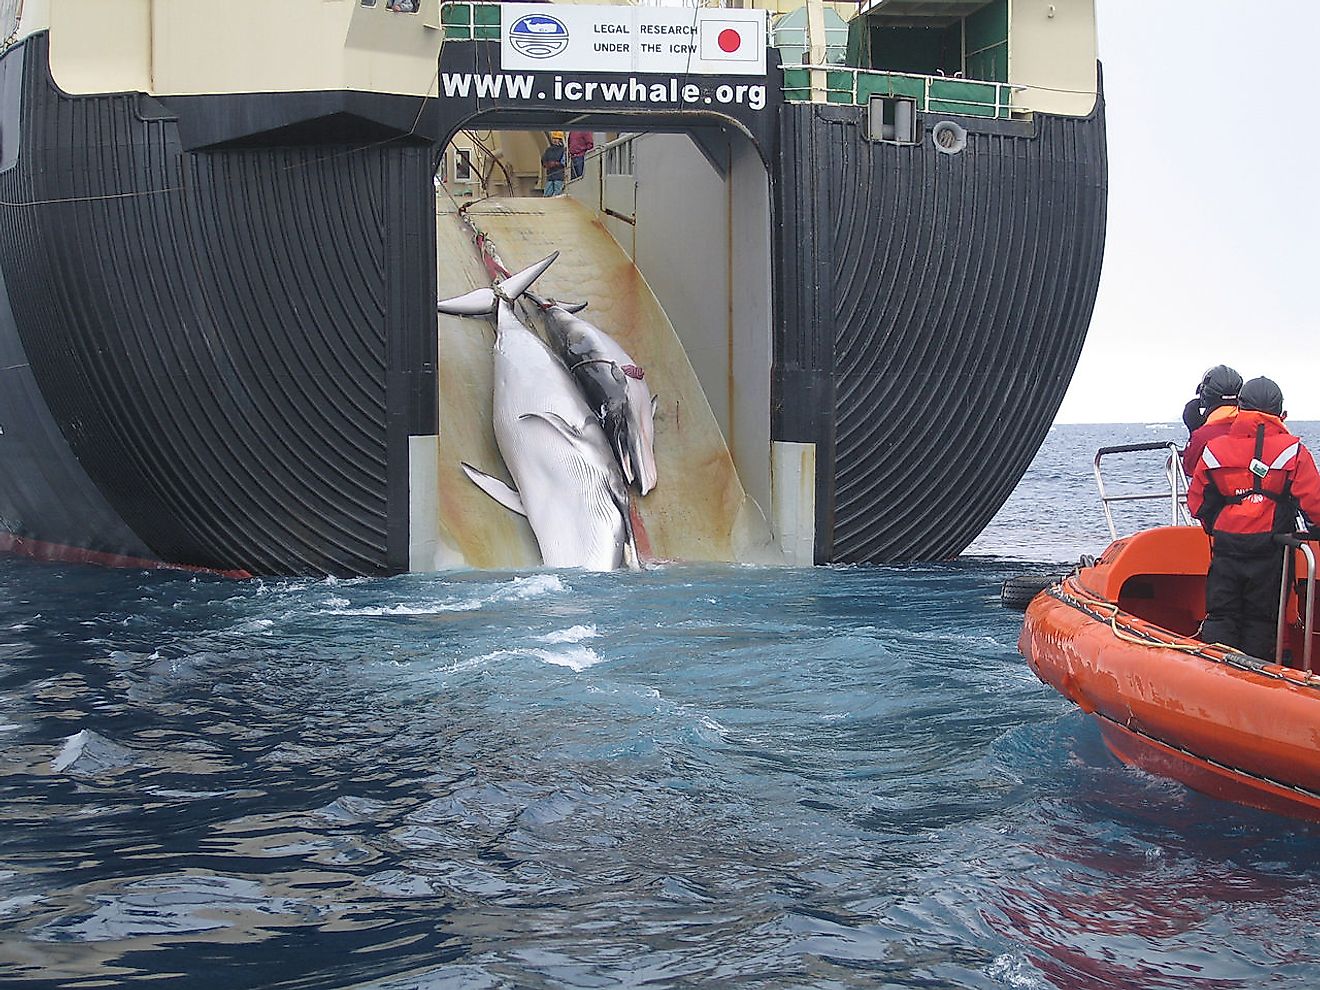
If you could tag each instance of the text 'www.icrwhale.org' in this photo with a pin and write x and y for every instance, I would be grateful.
(668, 92)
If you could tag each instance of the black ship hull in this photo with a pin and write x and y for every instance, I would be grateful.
(217, 327)
(934, 312)
(214, 340)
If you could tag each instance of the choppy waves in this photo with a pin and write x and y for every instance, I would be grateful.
(685, 777)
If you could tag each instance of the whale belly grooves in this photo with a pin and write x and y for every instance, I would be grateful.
(566, 482)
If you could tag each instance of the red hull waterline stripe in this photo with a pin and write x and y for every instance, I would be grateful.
(38, 550)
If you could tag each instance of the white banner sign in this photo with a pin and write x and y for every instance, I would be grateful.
(673, 40)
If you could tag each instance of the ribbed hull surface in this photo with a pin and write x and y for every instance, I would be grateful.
(220, 328)
(932, 311)
(235, 341)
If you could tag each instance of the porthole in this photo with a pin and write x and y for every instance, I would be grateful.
(948, 137)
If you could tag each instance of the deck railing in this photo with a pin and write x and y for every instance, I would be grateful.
(1305, 612)
(933, 94)
(1174, 490)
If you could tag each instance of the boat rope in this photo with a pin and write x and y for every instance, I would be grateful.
(587, 361)
(1108, 612)
(461, 207)
(495, 159)
(1144, 639)
(490, 255)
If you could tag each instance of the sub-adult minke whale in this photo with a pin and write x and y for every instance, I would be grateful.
(614, 385)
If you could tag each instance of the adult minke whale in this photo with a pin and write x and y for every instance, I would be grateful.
(566, 480)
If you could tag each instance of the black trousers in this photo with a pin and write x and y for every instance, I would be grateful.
(1242, 602)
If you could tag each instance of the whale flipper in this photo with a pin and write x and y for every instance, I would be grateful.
(496, 489)
(570, 432)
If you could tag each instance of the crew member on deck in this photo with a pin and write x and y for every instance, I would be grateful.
(1211, 413)
(579, 143)
(1249, 483)
(554, 160)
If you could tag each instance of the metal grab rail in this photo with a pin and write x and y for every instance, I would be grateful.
(1173, 473)
(938, 94)
(1291, 543)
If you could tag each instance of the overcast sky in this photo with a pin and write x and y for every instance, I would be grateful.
(1213, 247)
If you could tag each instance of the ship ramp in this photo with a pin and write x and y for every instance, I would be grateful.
(698, 511)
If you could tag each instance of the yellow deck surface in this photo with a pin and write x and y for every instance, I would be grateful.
(698, 510)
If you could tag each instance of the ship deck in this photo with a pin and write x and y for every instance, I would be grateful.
(698, 511)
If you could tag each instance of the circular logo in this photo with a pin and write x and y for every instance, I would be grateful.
(538, 36)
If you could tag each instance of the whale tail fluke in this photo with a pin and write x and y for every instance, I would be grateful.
(519, 282)
(478, 302)
(482, 302)
(542, 303)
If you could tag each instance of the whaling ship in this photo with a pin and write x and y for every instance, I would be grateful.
(858, 259)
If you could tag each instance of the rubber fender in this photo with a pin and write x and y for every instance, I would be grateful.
(1018, 591)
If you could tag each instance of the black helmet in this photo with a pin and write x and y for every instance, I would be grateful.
(1262, 395)
(1218, 386)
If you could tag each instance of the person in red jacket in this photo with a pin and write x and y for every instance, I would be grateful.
(1211, 413)
(579, 143)
(1249, 484)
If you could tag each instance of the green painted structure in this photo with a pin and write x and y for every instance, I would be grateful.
(983, 43)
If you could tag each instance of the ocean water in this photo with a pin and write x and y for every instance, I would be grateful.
(694, 776)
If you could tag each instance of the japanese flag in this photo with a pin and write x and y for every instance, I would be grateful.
(730, 41)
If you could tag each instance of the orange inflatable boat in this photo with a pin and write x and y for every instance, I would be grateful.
(1117, 638)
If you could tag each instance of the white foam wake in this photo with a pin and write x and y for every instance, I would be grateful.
(88, 753)
(576, 658)
(573, 634)
(519, 589)
(73, 747)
